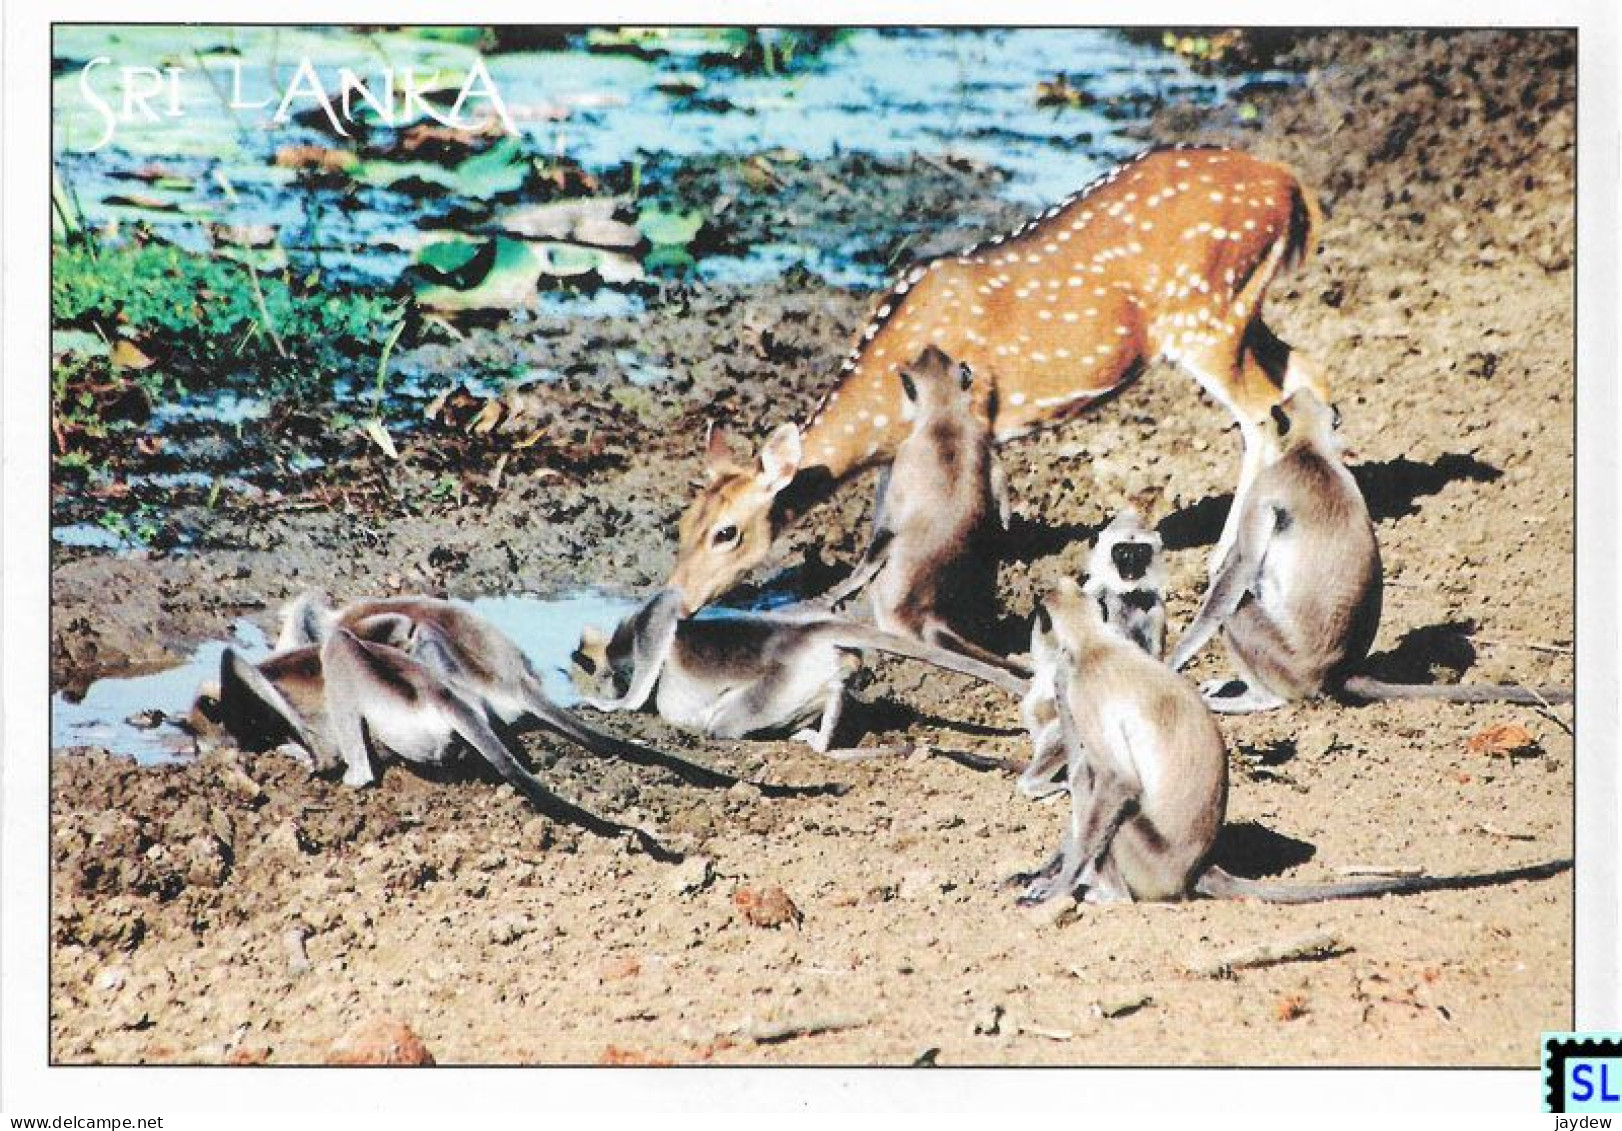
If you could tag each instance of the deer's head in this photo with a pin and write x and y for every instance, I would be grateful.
(729, 528)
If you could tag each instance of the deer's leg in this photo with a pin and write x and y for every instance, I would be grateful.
(1287, 367)
(1249, 386)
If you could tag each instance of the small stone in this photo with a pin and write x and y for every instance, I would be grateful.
(619, 968)
(744, 791)
(207, 863)
(692, 875)
(298, 959)
(767, 906)
(919, 885)
(1122, 1005)
(1054, 913)
(287, 838)
(508, 929)
(112, 979)
(380, 1040)
(989, 1022)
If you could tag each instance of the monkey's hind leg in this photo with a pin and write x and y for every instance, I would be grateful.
(822, 739)
(1096, 814)
(1263, 659)
(1249, 699)
(1037, 782)
(1104, 882)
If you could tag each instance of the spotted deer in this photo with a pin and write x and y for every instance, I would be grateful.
(1167, 256)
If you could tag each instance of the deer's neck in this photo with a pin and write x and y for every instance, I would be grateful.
(858, 424)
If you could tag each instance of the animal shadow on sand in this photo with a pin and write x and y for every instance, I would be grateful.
(883, 714)
(1247, 849)
(1434, 653)
(1391, 488)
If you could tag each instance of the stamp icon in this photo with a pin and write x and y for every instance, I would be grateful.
(1582, 1072)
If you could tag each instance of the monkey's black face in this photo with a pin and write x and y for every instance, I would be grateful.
(1132, 559)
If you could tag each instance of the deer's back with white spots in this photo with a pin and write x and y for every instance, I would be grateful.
(1166, 256)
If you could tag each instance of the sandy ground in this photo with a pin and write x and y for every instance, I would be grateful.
(198, 919)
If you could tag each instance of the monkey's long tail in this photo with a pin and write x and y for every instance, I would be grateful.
(866, 636)
(610, 745)
(1365, 687)
(1218, 884)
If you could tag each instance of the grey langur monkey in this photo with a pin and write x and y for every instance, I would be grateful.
(1297, 598)
(1148, 778)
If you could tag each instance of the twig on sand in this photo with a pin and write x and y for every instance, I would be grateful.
(774, 1032)
(1547, 711)
(1529, 645)
(866, 753)
(1306, 948)
(1028, 1030)
(264, 312)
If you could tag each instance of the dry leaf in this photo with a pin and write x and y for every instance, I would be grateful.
(1290, 1007)
(127, 355)
(1503, 740)
(374, 431)
(489, 416)
(317, 157)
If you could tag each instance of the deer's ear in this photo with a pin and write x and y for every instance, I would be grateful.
(780, 457)
(718, 449)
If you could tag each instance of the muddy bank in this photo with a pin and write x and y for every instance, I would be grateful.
(1441, 305)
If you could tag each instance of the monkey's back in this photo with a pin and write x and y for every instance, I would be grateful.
(941, 512)
(1320, 584)
(1154, 727)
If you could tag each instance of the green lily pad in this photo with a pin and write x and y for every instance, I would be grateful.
(503, 273)
(496, 172)
(457, 263)
(668, 257)
(82, 342)
(669, 227)
(499, 274)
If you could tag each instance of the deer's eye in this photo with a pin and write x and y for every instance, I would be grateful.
(725, 535)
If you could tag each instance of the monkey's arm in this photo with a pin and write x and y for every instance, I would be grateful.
(470, 724)
(306, 621)
(1232, 581)
(878, 553)
(1047, 756)
(248, 700)
(1097, 810)
(999, 491)
(351, 692)
(649, 653)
